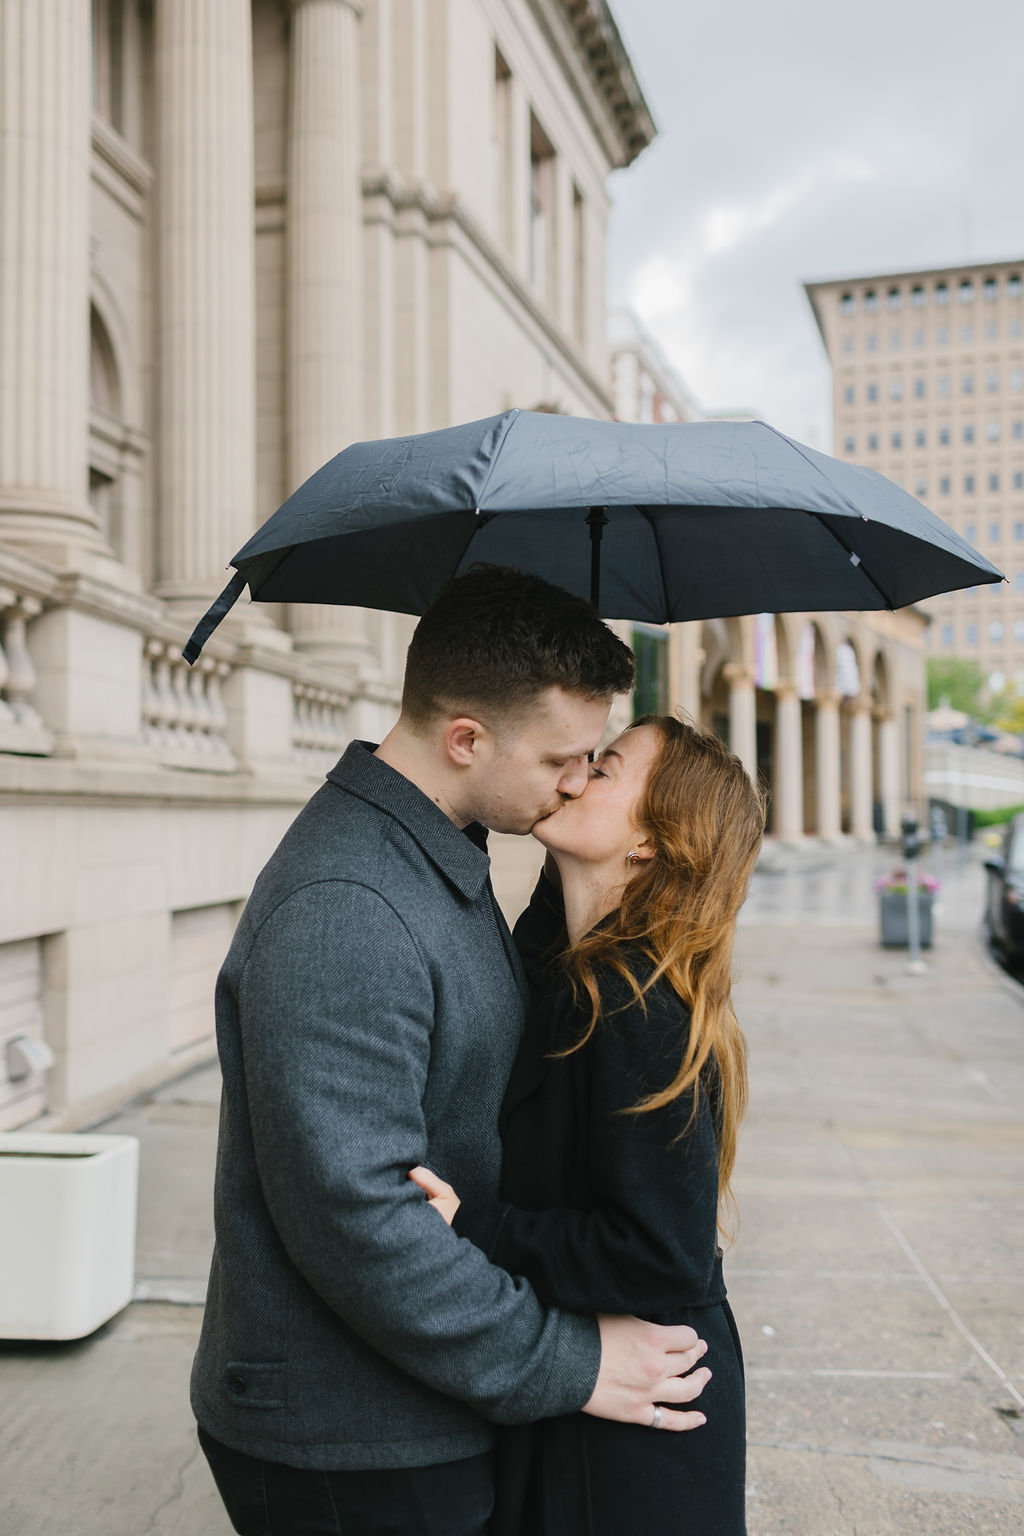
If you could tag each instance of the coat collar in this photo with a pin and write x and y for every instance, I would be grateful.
(461, 856)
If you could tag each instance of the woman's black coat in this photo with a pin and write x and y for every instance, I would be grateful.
(607, 1211)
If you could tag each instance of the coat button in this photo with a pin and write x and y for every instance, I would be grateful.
(237, 1385)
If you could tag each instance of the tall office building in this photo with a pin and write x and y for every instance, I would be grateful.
(928, 387)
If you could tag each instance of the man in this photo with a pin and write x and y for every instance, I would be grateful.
(368, 1013)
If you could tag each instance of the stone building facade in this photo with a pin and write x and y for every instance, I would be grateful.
(234, 236)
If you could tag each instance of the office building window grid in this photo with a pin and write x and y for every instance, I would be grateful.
(946, 423)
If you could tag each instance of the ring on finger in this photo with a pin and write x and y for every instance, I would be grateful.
(656, 1420)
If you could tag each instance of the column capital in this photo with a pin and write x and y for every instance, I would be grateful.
(786, 689)
(828, 698)
(736, 675)
(355, 6)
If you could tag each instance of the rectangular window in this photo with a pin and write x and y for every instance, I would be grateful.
(920, 487)
(848, 395)
(872, 442)
(895, 389)
(897, 439)
(942, 336)
(919, 438)
(944, 436)
(944, 485)
(943, 386)
(967, 384)
(919, 389)
(579, 267)
(947, 635)
(971, 635)
(871, 341)
(542, 211)
(1018, 631)
(1018, 533)
(847, 343)
(970, 531)
(993, 482)
(969, 485)
(993, 535)
(872, 393)
(1018, 480)
(504, 150)
(848, 444)
(992, 381)
(968, 433)
(1017, 430)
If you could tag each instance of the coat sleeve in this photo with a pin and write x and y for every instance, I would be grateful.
(540, 930)
(336, 1055)
(647, 1242)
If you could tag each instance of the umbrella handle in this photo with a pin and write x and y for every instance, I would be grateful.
(596, 522)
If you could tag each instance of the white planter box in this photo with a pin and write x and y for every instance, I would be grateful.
(67, 1214)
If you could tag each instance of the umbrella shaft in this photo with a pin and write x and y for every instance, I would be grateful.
(596, 521)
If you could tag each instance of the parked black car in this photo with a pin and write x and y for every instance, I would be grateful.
(1004, 907)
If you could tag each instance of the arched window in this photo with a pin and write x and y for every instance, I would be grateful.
(917, 296)
(894, 298)
(966, 291)
(870, 301)
(942, 293)
(847, 304)
(990, 290)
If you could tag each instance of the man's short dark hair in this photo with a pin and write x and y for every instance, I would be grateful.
(495, 638)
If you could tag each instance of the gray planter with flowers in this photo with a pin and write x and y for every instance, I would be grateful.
(895, 919)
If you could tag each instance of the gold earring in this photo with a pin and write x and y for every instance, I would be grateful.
(632, 858)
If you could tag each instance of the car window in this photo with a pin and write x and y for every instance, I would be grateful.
(1015, 853)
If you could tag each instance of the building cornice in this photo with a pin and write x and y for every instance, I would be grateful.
(586, 41)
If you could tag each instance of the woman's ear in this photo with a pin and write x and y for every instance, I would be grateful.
(461, 738)
(641, 848)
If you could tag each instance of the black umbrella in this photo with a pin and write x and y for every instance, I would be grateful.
(686, 521)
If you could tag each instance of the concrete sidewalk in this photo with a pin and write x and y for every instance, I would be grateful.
(877, 1277)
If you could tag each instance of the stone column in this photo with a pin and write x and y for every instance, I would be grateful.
(789, 766)
(325, 300)
(742, 717)
(861, 772)
(45, 54)
(889, 769)
(685, 659)
(206, 313)
(827, 767)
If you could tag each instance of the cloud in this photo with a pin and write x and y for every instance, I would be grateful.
(799, 141)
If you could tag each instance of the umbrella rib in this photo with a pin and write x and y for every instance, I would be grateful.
(647, 513)
(841, 542)
(516, 413)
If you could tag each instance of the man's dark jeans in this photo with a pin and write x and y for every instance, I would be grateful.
(265, 1498)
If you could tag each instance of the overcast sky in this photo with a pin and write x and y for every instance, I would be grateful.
(804, 139)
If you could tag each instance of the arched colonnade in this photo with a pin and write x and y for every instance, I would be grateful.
(813, 704)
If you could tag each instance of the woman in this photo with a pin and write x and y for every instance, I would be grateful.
(619, 1125)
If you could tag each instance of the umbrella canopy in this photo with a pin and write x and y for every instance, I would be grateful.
(704, 520)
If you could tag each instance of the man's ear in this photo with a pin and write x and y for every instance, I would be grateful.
(461, 740)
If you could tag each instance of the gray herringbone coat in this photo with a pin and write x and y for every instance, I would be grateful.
(368, 1014)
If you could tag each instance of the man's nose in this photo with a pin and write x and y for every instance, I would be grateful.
(574, 780)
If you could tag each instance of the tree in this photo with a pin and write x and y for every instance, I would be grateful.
(1010, 713)
(958, 682)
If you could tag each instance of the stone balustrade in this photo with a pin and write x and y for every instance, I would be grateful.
(320, 730)
(184, 720)
(21, 727)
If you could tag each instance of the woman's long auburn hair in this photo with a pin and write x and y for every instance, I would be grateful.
(706, 819)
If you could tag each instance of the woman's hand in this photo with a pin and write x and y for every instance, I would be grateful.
(439, 1194)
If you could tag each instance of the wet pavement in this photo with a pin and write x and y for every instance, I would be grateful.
(876, 1276)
